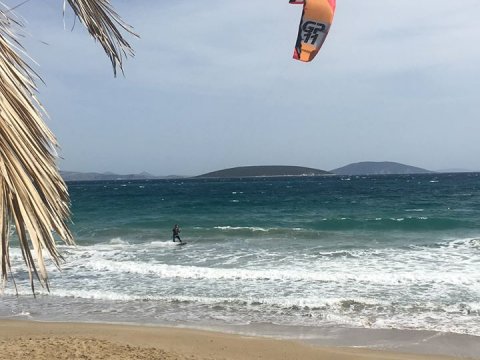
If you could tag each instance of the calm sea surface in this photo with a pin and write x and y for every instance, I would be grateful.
(375, 252)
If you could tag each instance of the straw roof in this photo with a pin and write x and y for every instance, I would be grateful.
(34, 199)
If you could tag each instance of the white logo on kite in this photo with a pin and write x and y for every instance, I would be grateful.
(311, 30)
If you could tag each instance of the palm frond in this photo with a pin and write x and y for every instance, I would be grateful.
(101, 21)
(33, 195)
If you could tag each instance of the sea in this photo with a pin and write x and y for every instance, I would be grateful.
(303, 255)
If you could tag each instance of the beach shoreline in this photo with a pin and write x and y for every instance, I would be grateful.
(21, 339)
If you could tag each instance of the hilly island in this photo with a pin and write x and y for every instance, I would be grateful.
(379, 168)
(264, 171)
(360, 168)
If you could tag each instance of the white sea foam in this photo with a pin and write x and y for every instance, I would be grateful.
(161, 244)
(464, 243)
(118, 241)
(287, 274)
(251, 228)
(22, 314)
(419, 287)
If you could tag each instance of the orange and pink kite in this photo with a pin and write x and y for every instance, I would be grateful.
(317, 17)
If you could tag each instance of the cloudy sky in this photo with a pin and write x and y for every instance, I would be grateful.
(213, 85)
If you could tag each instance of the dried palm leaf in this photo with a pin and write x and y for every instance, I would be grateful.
(33, 196)
(101, 21)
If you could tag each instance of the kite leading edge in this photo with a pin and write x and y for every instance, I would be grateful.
(317, 17)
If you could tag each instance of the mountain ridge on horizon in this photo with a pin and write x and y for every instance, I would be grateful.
(108, 175)
(358, 168)
(379, 168)
(264, 171)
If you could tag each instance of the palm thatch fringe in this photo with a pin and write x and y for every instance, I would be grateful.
(101, 21)
(33, 196)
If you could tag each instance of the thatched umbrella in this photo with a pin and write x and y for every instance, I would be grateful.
(33, 196)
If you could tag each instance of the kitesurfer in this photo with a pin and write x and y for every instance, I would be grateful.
(176, 233)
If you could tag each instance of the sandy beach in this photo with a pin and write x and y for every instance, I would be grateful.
(40, 340)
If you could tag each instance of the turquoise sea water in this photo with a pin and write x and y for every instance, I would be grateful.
(376, 252)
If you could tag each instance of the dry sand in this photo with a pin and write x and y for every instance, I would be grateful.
(36, 340)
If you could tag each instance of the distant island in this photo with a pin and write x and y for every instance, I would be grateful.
(360, 168)
(379, 168)
(263, 171)
(108, 176)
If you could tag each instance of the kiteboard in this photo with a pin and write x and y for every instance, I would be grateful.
(180, 243)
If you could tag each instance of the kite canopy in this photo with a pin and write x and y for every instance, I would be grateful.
(317, 17)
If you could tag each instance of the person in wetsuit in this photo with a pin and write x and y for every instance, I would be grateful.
(176, 233)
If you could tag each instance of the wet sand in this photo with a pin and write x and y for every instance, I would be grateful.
(39, 340)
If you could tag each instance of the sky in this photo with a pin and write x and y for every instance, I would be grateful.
(213, 85)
